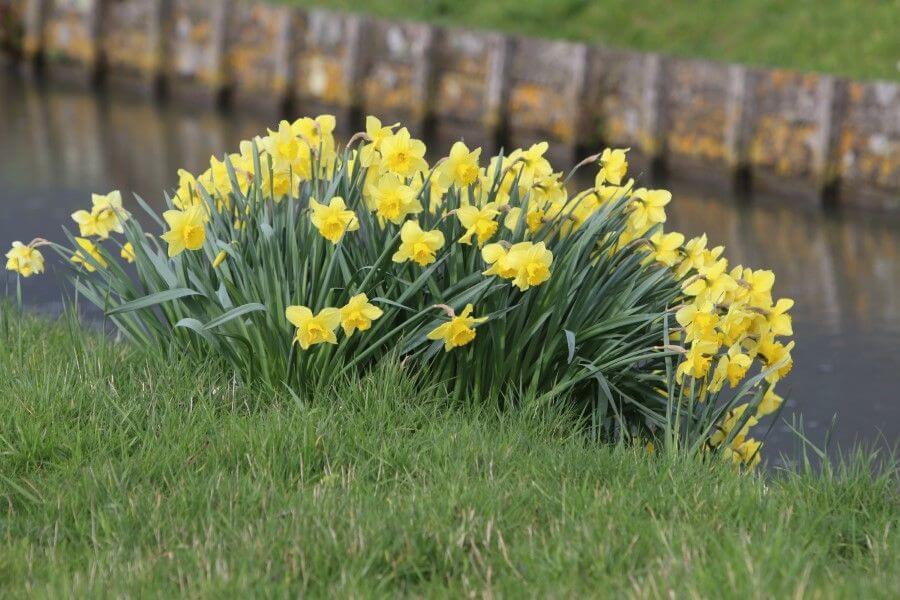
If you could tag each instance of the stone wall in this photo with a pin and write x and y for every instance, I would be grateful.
(395, 70)
(325, 59)
(70, 37)
(12, 25)
(622, 101)
(196, 61)
(701, 105)
(815, 136)
(546, 85)
(787, 128)
(134, 40)
(867, 155)
(258, 53)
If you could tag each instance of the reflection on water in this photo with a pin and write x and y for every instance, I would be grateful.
(844, 271)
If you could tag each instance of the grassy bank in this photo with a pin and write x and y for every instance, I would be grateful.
(122, 475)
(858, 39)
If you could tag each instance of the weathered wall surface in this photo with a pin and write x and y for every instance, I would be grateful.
(700, 110)
(867, 157)
(325, 59)
(71, 36)
(395, 70)
(545, 84)
(133, 39)
(258, 53)
(196, 54)
(622, 100)
(12, 25)
(469, 81)
(787, 127)
(816, 135)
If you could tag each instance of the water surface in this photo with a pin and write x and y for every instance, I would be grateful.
(58, 146)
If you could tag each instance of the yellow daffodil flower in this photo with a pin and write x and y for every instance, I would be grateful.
(496, 256)
(697, 360)
(317, 132)
(392, 200)
(313, 329)
(534, 219)
(288, 152)
(770, 403)
(127, 252)
(699, 320)
(478, 222)
(531, 262)
(403, 155)
(648, 208)
(613, 166)
(106, 215)
(747, 453)
(731, 367)
(376, 132)
(332, 220)
(777, 355)
(186, 195)
(731, 420)
(87, 248)
(358, 314)
(187, 229)
(458, 331)
(711, 282)
(24, 260)
(418, 245)
(778, 320)
(90, 224)
(461, 167)
(528, 165)
(666, 247)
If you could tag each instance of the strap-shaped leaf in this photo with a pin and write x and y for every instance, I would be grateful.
(233, 314)
(153, 300)
(197, 327)
(570, 340)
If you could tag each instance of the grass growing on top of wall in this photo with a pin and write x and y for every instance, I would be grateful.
(124, 475)
(857, 39)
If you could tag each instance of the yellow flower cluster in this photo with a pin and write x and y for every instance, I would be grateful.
(319, 328)
(106, 216)
(25, 260)
(729, 321)
(509, 209)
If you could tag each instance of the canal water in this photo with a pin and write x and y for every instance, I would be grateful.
(58, 146)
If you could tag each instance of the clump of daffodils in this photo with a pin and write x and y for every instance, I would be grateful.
(296, 259)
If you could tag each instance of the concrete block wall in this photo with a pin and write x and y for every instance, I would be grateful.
(197, 68)
(622, 101)
(545, 88)
(258, 54)
(134, 39)
(813, 136)
(867, 148)
(12, 25)
(701, 104)
(470, 83)
(787, 129)
(70, 34)
(394, 74)
(326, 59)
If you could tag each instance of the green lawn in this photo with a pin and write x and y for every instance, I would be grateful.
(121, 475)
(850, 37)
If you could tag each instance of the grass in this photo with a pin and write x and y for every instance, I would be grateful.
(857, 39)
(122, 475)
